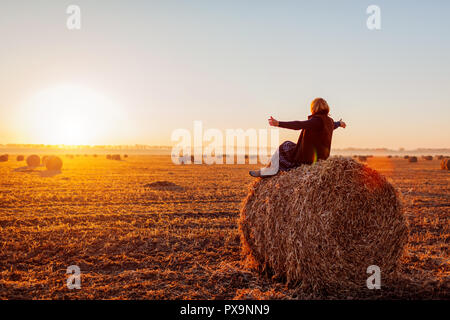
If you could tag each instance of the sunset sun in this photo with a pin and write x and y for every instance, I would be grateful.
(70, 115)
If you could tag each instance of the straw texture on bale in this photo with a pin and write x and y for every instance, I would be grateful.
(33, 160)
(412, 159)
(323, 225)
(445, 164)
(53, 163)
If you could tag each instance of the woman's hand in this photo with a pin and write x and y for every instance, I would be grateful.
(273, 122)
(342, 123)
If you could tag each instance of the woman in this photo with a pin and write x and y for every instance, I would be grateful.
(313, 144)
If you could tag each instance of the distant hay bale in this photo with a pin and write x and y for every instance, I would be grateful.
(362, 158)
(4, 158)
(20, 158)
(125, 156)
(406, 157)
(440, 157)
(44, 160)
(445, 164)
(389, 156)
(428, 158)
(323, 225)
(412, 159)
(94, 155)
(33, 160)
(115, 157)
(53, 163)
(108, 156)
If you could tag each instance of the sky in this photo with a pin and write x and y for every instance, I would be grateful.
(138, 70)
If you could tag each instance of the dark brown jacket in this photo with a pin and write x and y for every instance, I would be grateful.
(314, 142)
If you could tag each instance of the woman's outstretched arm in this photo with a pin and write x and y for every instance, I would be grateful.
(339, 123)
(313, 123)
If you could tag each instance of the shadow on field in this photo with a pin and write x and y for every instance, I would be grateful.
(25, 169)
(49, 173)
(43, 174)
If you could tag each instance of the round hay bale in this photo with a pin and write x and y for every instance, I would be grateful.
(406, 157)
(115, 157)
(33, 160)
(108, 156)
(323, 225)
(44, 160)
(4, 158)
(412, 159)
(53, 163)
(125, 156)
(20, 158)
(445, 164)
(428, 157)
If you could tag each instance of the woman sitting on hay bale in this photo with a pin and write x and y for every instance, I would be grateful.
(313, 144)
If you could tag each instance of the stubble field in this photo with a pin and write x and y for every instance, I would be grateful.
(178, 238)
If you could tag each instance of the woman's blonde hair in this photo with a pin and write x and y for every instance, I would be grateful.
(319, 105)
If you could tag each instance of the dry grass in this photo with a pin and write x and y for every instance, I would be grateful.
(135, 242)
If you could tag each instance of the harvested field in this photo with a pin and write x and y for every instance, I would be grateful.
(133, 239)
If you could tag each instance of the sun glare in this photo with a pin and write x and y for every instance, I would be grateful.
(70, 115)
